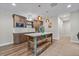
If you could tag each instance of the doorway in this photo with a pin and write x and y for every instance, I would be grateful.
(64, 26)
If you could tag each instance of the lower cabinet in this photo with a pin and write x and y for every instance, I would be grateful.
(19, 38)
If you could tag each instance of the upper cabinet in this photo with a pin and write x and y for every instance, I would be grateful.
(21, 22)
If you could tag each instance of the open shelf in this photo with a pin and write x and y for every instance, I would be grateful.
(42, 45)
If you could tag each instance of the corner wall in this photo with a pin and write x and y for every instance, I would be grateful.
(74, 25)
(6, 25)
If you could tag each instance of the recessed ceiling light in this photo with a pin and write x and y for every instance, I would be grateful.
(68, 6)
(13, 4)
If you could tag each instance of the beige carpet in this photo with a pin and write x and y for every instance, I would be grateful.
(62, 47)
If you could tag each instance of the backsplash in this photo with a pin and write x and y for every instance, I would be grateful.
(22, 30)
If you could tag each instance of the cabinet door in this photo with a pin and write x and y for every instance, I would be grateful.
(22, 38)
(16, 38)
(19, 21)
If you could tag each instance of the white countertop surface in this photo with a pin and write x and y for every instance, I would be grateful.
(38, 34)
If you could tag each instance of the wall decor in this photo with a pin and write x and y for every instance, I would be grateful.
(49, 23)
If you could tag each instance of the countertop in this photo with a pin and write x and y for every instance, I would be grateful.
(38, 34)
(23, 32)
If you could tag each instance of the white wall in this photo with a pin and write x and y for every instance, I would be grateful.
(74, 25)
(60, 25)
(54, 28)
(5, 28)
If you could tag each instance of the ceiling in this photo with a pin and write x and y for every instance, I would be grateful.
(39, 8)
(65, 17)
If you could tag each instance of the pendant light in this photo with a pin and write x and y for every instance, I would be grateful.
(39, 18)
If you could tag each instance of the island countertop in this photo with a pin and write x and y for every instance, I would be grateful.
(34, 42)
(38, 34)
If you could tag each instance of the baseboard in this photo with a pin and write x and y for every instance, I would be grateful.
(56, 38)
(6, 44)
(75, 41)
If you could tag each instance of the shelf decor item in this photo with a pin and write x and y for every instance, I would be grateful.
(29, 18)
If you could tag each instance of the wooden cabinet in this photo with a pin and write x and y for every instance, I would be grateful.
(38, 43)
(21, 22)
(19, 38)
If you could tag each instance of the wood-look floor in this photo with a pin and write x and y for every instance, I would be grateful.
(15, 50)
(62, 47)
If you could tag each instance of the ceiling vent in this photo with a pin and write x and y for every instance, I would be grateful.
(39, 5)
(53, 4)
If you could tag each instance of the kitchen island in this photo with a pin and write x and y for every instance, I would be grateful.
(38, 42)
